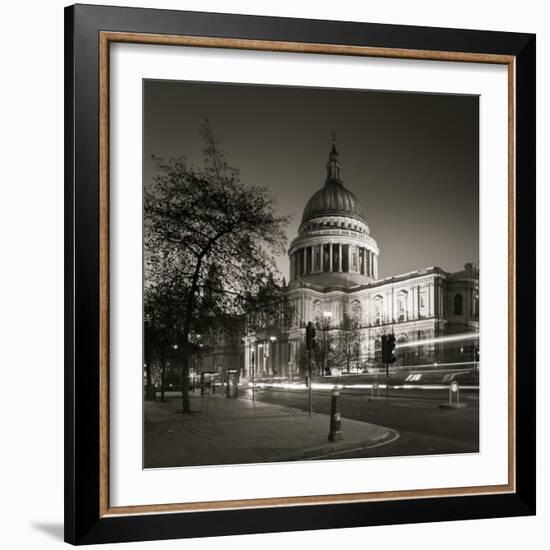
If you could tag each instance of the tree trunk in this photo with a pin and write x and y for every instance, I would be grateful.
(162, 374)
(150, 393)
(185, 403)
(187, 326)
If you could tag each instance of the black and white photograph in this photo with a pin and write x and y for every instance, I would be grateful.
(274, 275)
(311, 274)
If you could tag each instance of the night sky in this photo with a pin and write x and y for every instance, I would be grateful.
(411, 159)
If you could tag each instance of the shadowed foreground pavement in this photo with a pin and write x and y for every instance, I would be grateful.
(233, 431)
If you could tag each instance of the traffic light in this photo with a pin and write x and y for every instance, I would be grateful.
(310, 336)
(388, 345)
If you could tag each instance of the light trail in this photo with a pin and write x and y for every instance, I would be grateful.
(330, 387)
(440, 340)
(435, 367)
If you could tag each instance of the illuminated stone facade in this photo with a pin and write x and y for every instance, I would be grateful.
(334, 273)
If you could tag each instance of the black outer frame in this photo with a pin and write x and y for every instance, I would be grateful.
(83, 524)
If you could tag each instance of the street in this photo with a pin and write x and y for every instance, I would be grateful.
(424, 427)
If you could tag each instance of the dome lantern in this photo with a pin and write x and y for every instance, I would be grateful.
(333, 165)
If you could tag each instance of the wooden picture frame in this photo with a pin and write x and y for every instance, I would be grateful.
(89, 32)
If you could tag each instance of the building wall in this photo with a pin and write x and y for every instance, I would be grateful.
(416, 306)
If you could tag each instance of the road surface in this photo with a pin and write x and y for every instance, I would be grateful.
(424, 427)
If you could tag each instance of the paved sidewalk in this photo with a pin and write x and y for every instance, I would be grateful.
(232, 431)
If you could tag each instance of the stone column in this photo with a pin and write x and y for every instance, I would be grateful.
(312, 259)
(339, 257)
(303, 251)
(246, 359)
(371, 273)
(373, 264)
(330, 257)
(367, 262)
(375, 261)
(436, 297)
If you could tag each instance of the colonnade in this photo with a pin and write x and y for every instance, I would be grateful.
(333, 257)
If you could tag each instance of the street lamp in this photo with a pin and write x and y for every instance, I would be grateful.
(249, 341)
(263, 358)
(272, 339)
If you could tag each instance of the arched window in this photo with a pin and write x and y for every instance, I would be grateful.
(317, 309)
(457, 306)
(356, 310)
(378, 310)
(402, 306)
(378, 349)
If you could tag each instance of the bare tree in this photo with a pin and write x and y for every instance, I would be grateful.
(203, 219)
(348, 343)
(323, 355)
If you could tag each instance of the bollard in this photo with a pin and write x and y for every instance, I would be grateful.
(454, 389)
(335, 433)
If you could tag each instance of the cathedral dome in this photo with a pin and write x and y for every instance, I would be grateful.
(334, 247)
(333, 199)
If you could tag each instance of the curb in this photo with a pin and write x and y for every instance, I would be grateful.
(330, 449)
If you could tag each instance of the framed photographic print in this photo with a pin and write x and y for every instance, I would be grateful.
(300, 274)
